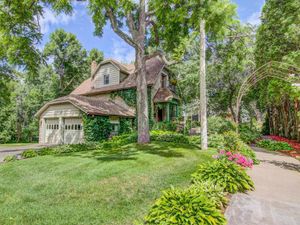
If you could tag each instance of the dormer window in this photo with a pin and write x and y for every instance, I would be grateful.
(106, 79)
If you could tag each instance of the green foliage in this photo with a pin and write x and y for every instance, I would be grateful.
(214, 192)
(247, 134)
(10, 158)
(96, 128)
(168, 136)
(128, 95)
(125, 125)
(176, 19)
(165, 126)
(68, 60)
(219, 125)
(216, 141)
(184, 206)
(29, 154)
(120, 140)
(249, 153)
(19, 33)
(233, 143)
(274, 145)
(231, 177)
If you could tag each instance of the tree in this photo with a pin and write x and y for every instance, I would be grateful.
(94, 55)
(176, 20)
(278, 39)
(133, 17)
(20, 31)
(68, 58)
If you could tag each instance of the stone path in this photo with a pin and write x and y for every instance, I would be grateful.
(276, 199)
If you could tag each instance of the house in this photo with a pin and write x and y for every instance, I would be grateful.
(109, 93)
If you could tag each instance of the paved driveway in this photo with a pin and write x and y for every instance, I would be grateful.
(14, 150)
(276, 199)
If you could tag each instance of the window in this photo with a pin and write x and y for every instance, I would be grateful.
(106, 79)
(163, 81)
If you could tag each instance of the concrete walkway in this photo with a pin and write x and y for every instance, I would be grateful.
(15, 150)
(276, 199)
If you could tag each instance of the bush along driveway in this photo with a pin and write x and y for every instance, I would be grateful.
(15, 149)
(276, 199)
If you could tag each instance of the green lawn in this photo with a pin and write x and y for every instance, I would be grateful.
(94, 187)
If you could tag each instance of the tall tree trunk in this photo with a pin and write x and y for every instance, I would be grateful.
(202, 75)
(142, 93)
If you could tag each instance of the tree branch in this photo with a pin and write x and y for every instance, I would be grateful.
(118, 31)
(151, 22)
(162, 56)
(131, 25)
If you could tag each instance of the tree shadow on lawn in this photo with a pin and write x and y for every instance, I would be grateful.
(130, 152)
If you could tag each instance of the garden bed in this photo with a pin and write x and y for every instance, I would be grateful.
(293, 143)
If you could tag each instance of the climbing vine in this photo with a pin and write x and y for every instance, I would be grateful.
(96, 128)
(125, 125)
(128, 95)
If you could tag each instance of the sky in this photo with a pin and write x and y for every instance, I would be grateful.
(80, 24)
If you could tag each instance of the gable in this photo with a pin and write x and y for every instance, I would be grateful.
(109, 70)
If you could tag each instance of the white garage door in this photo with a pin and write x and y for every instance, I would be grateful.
(73, 131)
(52, 132)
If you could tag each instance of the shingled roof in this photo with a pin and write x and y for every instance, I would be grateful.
(92, 106)
(164, 95)
(153, 67)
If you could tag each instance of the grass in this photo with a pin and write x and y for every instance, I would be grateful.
(96, 187)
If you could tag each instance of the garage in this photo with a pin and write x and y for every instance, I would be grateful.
(52, 131)
(73, 131)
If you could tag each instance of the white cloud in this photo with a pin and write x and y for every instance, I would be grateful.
(254, 19)
(50, 18)
(122, 52)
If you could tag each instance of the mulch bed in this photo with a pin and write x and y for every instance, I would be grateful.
(293, 143)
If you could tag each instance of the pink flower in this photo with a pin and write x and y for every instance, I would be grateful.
(222, 152)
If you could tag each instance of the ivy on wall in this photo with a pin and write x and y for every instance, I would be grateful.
(128, 95)
(125, 125)
(96, 128)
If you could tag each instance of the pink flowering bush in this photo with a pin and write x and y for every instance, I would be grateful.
(236, 158)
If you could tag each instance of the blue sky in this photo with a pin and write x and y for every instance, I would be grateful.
(80, 24)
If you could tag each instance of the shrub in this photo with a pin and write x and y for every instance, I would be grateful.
(274, 145)
(29, 154)
(216, 141)
(231, 177)
(10, 158)
(247, 134)
(219, 125)
(233, 143)
(184, 206)
(249, 153)
(46, 151)
(195, 140)
(237, 158)
(120, 140)
(214, 192)
(168, 136)
(165, 126)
